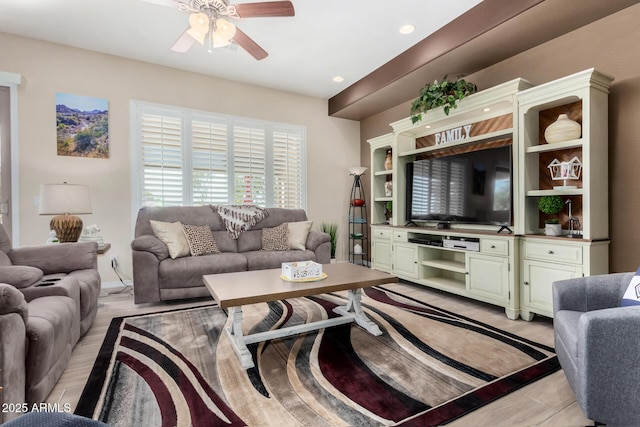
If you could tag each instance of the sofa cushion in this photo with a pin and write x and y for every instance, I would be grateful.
(298, 232)
(172, 234)
(200, 240)
(187, 272)
(632, 294)
(276, 238)
(20, 276)
(262, 260)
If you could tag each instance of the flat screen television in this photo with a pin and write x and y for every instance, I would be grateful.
(474, 187)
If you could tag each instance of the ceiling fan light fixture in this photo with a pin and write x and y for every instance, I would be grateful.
(199, 22)
(218, 40)
(225, 28)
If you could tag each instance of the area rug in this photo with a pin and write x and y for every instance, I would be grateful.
(429, 367)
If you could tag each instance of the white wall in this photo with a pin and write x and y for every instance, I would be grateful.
(332, 144)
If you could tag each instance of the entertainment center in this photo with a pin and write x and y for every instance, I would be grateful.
(465, 190)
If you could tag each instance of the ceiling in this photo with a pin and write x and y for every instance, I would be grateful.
(326, 38)
(356, 39)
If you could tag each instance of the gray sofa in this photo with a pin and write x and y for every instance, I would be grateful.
(48, 300)
(157, 277)
(597, 343)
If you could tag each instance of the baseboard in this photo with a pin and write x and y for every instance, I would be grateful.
(112, 285)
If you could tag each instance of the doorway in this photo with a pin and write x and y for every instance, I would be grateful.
(5, 160)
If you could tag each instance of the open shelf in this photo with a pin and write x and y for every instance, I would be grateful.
(563, 192)
(574, 143)
(384, 172)
(443, 264)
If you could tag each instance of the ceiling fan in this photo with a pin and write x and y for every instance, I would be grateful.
(209, 22)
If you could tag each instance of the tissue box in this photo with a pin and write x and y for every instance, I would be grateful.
(301, 270)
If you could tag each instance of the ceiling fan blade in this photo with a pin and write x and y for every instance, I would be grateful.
(265, 9)
(184, 43)
(168, 3)
(249, 45)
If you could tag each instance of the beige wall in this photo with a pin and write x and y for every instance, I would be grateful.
(610, 45)
(332, 144)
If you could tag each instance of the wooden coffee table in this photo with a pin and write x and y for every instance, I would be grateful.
(233, 290)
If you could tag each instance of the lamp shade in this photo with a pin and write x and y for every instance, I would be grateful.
(57, 199)
(64, 200)
(357, 170)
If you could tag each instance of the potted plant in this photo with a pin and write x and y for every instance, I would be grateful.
(551, 205)
(388, 212)
(332, 230)
(437, 94)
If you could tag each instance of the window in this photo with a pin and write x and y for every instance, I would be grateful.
(184, 157)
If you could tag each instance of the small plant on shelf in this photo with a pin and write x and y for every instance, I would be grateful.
(388, 211)
(441, 94)
(331, 229)
(551, 205)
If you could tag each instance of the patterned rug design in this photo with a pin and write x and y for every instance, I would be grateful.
(429, 367)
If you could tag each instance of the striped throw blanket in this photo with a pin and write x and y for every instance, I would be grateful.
(239, 218)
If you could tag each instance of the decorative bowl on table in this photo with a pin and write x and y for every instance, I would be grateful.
(357, 202)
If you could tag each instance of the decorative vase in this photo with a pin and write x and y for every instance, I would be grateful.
(552, 229)
(388, 188)
(563, 129)
(388, 162)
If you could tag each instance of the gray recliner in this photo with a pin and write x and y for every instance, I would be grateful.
(598, 346)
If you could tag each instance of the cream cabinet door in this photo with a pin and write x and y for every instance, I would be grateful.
(536, 285)
(488, 277)
(381, 254)
(405, 260)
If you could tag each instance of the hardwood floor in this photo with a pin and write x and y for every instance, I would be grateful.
(547, 402)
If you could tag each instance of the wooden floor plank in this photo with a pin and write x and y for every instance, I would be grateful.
(547, 402)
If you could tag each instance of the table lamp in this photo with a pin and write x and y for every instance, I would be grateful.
(65, 201)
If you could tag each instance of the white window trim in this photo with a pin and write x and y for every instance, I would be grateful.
(12, 80)
(137, 174)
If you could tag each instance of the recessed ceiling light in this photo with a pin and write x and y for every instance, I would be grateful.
(486, 109)
(407, 29)
(428, 126)
(338, 79)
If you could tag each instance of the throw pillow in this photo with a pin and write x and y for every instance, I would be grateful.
(632, 294)
(276, 238)
(20, 276)
(298, 232)
(172, 235)
(200, 239)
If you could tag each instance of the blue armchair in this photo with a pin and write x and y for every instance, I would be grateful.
(598, 346)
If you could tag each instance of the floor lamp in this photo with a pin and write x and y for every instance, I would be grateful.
(65, 201)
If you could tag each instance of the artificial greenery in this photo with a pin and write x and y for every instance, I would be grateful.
(551, 205)
(332, 230)
(445, 93)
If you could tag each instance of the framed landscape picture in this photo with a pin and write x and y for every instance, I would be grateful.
(82, 126)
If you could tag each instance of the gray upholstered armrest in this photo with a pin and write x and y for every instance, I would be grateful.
(149, 243)
(608, 345)
(315, 239)
(60, 258)
(12, 301)
(590, 293)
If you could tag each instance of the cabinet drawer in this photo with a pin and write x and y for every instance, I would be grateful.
(400, 236)
(381, 233)
(551, 252)
(494, 247)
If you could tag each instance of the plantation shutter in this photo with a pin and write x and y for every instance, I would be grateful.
(249, 166)
(184, 157)
(210, 163)
(287, 170)
(161, 137)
